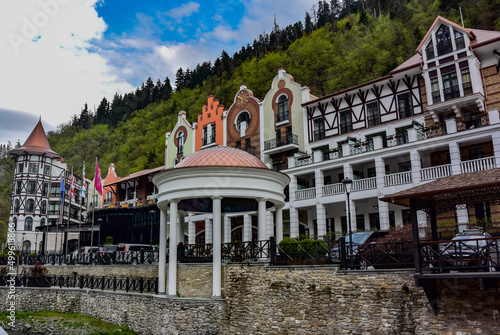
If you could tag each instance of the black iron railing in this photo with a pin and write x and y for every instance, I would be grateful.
(281, 141)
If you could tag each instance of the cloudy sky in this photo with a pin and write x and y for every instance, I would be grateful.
(58, 54)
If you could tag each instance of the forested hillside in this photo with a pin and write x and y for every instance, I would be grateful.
(335, 47)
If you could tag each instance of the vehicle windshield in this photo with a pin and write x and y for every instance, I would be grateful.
(470, 241)
(358, 238)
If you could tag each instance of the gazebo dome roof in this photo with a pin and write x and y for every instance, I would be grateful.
(221, 156)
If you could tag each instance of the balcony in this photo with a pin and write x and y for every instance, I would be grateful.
(278, 166)
(399, 178)
(435, 172)
(480, 164)
(467, 87)
(430, 52)
(451, 93)
(436, 97)
(364, 184)
(281, 144)
(333, 189)
(303, 160)
(444, 48)
(332, 154)
(473, 122)
(306, 193)
(360, 148)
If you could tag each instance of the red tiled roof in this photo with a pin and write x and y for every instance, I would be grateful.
(37, 142)
(221, 156)
(136, 175)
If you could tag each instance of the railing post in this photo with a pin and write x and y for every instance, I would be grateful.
(91, 282)
(127, 282)
(141, 284)
(114, 283)
(272, 252)
(342, 253)
(81, 281)
(142, 256)
(113, 257)
(103, 282)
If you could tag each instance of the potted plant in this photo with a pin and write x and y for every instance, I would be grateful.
(38, 276)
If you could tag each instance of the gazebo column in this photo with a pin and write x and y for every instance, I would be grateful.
(172, 255)
(247, 228)
(163, 251)
(227, 229)
(269, 224)
(208, 230)
(294, 222)
(191, 229)
(217, 248)
(279, 224)
(182, 228)
(262, 219)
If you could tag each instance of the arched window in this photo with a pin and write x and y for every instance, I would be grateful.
(26, 247)
(42, 222)
(16, 206)
(28, 224)
(242, 117)
(282, 108)
(30, 208)
(180, 142)
(14, 220)
(443, 40)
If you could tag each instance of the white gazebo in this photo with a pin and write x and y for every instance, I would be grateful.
(217, 180)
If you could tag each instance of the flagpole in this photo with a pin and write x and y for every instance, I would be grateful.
(83, 199)
(93, 209)
(61, 210)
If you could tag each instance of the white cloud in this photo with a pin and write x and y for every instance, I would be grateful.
(54, 76)
(183, 11)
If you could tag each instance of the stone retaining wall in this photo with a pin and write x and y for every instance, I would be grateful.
(301, 300)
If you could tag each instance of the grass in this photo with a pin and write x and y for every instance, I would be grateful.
(69, 321)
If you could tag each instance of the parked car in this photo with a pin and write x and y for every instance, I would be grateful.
(471, 250)
(85, 250)
(108, 249)
(359, 239)
(130, 253)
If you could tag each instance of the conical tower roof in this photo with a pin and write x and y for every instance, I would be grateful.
(37, 142)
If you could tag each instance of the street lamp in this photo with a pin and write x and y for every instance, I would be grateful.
(347, 189)
(151, 218)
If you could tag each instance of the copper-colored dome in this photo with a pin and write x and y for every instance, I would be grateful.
(222, 156)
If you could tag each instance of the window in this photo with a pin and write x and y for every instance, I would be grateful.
(42, 222)
(282, 108)
(345, 122)
(14, 221)
(31, 187)
(450, 86)
(373, 115)
(466, 82)
(436, 95)
(20, 168)
(429, 50)
(109, 197)
(476, 153)
(33, 167)
(44, 207)
(46, 170)
(242, 121)
(205, 135)
(16, 206)
(319, 129)
(30, 208)
(459, 40)
(404, 166)
(28, 224)
(443, 39)
(18, 187)
(45, 190)
(213, 134)
(404, 105)
(180, 142)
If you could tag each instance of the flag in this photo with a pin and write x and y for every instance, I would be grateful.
(72, 189)
(83, 188)
(62, 190)
(98, 182)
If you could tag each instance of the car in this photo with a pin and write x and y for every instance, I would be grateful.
(359, 239)
(86, 250)
(470, 250)
(130, 253)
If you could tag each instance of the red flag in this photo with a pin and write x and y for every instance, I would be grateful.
(98, 182)
(72, 190)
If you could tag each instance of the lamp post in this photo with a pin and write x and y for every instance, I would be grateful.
(151, 218)
(347, 189)
(36, 241)
(99, 221)
(22, 243)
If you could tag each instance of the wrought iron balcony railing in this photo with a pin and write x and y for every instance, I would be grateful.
(281, 141)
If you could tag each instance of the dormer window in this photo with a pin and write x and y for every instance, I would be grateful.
(443, 40)
(459, 40)
(282, 108)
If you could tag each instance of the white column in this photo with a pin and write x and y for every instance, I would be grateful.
(415, 166)
(353, 214)
(208, 230)
(319, 180)
(262, 219)
(269, 224)
(367, 221)
(191, 229)
(292, 187)
(182, 228)
(227, 229)
(321, 220)
(398, 217)
(172, 253)
(454, 158)
(495, 139)
(294, 222)
(163, 251)
(279, 224)
(217, 247)
(380, 173)
(462, 217)
(383, 213)
(247, 228)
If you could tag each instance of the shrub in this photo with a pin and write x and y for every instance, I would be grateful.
(109, 240)
(288, 245)
(3, 271)
(39, 270)
(3, 256)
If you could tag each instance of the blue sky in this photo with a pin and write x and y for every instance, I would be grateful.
(59, 54)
